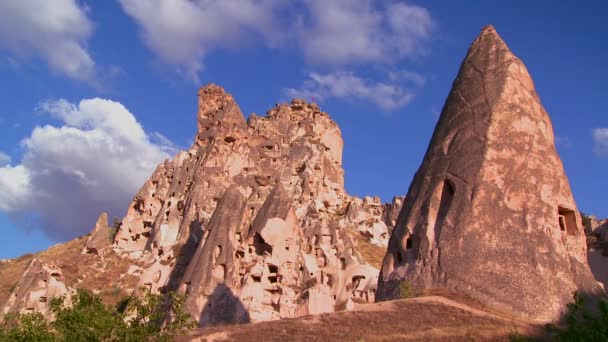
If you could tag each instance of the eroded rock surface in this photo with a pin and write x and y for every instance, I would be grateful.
(252, 222)
(100, 236)
(490, 213)
(39, 284)
(597, 227)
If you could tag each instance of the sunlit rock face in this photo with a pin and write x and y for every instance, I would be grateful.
(490, 214)
(39, 284)
(99, 237)
(252, 222)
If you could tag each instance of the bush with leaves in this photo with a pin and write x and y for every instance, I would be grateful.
(582, 323)
(86, 318)
(25, 327)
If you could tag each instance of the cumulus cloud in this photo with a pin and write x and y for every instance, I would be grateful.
(4, 158)
(55, 31)
(352, 31)
(182, 32)
(600, 138)
(347, 85)
(95, 161)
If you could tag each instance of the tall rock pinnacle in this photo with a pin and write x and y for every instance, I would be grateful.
(490, 214)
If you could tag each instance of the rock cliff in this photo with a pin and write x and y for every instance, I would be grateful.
(40, 283)
(490, 213)
(99, 237)
(252, 222)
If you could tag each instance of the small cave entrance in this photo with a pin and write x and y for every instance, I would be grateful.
(239, 254)
(217, 251)
(260, 245)
(567, 220)
(273, 271)
(409, 243)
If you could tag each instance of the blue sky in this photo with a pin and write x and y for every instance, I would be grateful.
(95, 93)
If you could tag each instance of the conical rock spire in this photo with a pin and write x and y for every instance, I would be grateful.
(490, 214)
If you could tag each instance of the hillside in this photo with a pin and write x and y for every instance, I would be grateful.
(106, 274)
(431, 318)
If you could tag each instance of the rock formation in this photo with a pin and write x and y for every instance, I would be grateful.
(595, 226)
(39, 284)
(252, 222)
(490, 213)
(391, 211)
(100, 236)
(597, 242)
(373, 219)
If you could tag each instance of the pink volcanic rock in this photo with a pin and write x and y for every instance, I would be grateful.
(252, 222)
(490, 213)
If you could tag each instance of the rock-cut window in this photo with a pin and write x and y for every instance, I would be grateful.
(567, 220)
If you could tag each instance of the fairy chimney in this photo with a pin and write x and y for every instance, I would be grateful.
(490, 214)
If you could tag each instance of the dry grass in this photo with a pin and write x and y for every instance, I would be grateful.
(104, 274)
(372, 254)
(435, 319)
(10, 273)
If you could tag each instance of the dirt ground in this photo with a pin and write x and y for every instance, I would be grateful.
(431, 318)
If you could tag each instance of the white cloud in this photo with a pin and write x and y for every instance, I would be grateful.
(354, 31)
(14, 185)
(96, 161)
(56, 31)
(407, 76)
(182, 32)
(600, 138)
(346, 85)
(4, 158)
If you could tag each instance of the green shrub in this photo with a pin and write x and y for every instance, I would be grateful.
(582, 324)
(586, 220)
(405, 290)
(25, 327)
(86, 318)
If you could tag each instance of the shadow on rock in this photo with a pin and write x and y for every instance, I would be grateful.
(195, 234)
(223, 308)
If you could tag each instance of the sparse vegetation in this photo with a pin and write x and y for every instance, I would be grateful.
(25, 327)
(586, 219)
(86, 318)
(79, 270)
(116, 223)
(405, 290)
(372, 254)
(582, 323)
